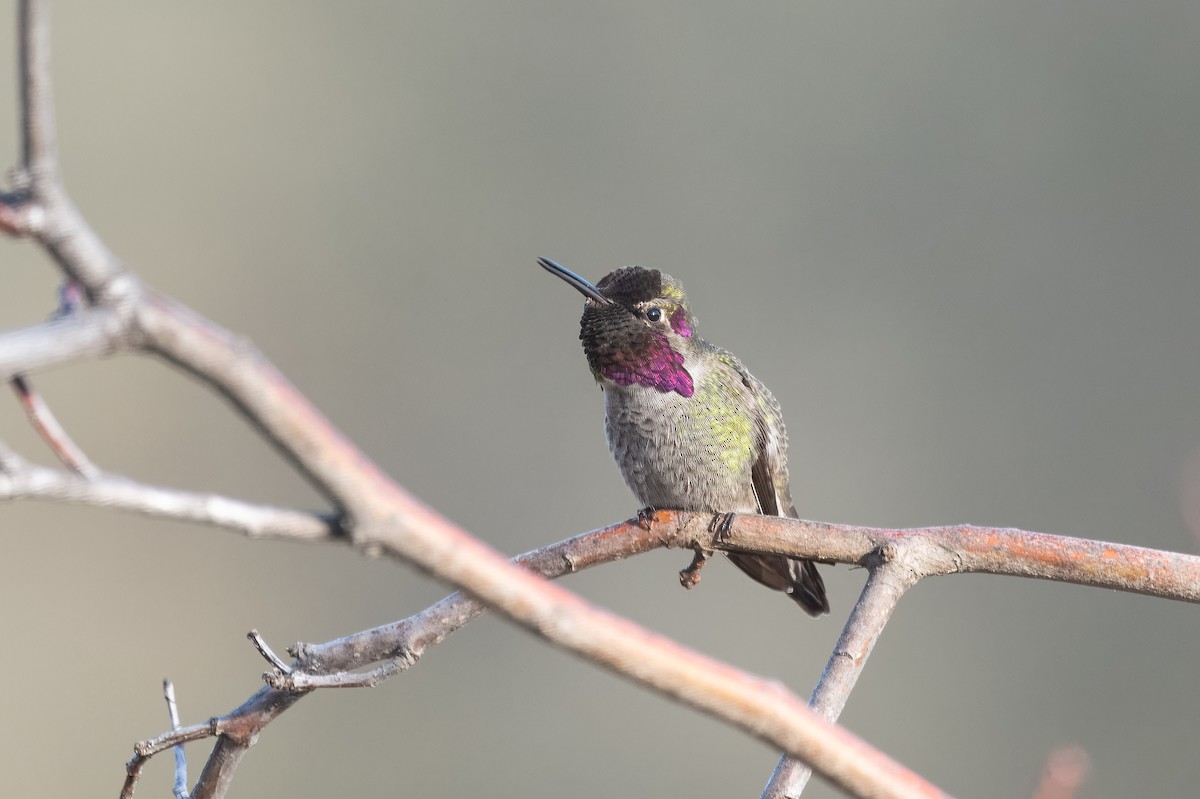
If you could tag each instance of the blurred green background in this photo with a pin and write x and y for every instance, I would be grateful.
(958, 240)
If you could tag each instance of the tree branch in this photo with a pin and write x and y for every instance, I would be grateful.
(51, 431)
(400, 644)
(886, 583)
(179, 788)
(23, 480)
(88, 333)
(39, 140)
(958, 549)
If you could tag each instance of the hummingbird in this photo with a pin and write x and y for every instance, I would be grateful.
(690, 428)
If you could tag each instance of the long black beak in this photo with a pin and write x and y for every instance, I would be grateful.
(585, 287)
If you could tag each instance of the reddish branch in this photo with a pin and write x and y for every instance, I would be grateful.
(962, 548)
(53, 433)
(891, 556)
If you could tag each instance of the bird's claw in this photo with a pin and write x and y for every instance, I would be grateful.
(721, 525)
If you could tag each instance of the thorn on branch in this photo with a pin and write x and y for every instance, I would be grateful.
(53, 433)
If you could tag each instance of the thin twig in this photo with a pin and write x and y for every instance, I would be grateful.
(400, 644)
(144, 750)
(268, 653)
(28, 481)
(39, 151)
(408, 639)
(51, 431)
(181, 781)
(885, 552)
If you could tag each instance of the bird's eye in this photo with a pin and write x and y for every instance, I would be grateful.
(653, 314)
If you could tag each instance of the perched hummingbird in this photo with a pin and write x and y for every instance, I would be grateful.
(691, 429)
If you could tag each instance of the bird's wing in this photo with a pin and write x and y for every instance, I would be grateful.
(769, 472)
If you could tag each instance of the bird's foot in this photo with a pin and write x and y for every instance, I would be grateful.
(690, 576)
(645, 518)
(720, 525)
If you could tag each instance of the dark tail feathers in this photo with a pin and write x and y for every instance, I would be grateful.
(796, 577)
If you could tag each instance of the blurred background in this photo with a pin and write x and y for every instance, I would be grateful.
(958, 240)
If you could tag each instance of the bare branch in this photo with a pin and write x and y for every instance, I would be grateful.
(89, 333)
(402, 643)
(39, 144)
(958, 549)
(399, 645)
(181, 781)
(268, 653)
(53, 433)
(408, 639)
(292, 680)
(886, 584)
(57, 224)
(27, 481)
(220, 768)
(910, 555)
(144, 750)
(887, 553)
